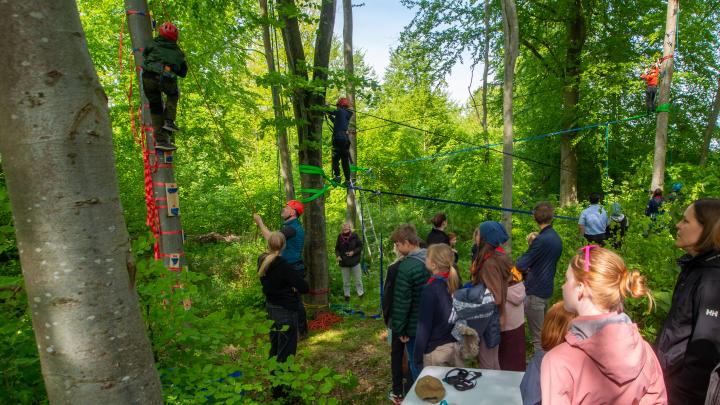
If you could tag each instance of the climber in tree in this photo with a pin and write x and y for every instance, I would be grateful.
(164, 62)
(650, 76)
(340, 119)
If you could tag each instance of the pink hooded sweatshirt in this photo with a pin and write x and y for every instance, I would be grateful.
(603, 360)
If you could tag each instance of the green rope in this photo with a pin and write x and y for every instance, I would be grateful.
(316, 193)
(356, 169)
(663, 108)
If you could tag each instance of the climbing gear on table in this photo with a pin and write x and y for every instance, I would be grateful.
(463, 379)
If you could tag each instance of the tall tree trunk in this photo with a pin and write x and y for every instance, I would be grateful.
(486, 69)
(281, 130)
(309, 117)
(576, 34)
(710, 127)
(71, 234)
(511, 41)
(666, 69)
(169, 236)
(350, 213)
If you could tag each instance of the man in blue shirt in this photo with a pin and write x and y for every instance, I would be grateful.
(294, 245)
(594, 221)
(539, 264)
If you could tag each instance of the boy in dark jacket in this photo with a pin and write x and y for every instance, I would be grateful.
(163, 62)
(411, 277)
(340, 119)
(347, 252)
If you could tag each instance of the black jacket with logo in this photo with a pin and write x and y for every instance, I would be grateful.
(688, 346)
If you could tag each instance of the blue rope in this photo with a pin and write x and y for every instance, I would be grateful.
(525, 139)
(465, 204)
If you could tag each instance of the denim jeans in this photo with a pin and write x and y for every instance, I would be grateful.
(410, 348)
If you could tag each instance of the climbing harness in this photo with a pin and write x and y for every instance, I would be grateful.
(462, 379)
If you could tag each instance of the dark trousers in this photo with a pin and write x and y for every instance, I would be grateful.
(282, 343)
(154, 86)
(599, 239)
(302, 313)
(650, 92)
(511, 353)
(401, 382)
(341, 154)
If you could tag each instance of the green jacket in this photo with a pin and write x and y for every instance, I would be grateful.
(412, 276)
(164, 52)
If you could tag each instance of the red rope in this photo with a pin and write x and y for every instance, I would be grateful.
(324, 321)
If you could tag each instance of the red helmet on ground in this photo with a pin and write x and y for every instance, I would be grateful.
(297, 206)
(169, 31)
(343, 102)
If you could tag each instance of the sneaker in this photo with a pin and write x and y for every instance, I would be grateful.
(395, 399)
(170, 126)
(166, 146)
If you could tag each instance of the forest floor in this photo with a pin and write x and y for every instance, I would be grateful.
(358, 345)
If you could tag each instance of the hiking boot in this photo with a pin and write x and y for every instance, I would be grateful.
(337, 179)
(395, 399)
(170, 126)
(166, 146)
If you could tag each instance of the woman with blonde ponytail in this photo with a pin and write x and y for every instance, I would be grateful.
(281, 285)
(434, 342)
(603, 360)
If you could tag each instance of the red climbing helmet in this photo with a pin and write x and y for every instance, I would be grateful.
(297, 206)
(343, 102)
(169, 31)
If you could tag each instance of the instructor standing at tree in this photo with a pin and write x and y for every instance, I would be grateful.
(293, 251)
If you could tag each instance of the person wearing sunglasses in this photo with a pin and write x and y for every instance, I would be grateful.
(603, 359)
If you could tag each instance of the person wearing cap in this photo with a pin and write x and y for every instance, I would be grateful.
(294, 244)
(163, 63)
(492, 268)
(617, 226)
(340, 119)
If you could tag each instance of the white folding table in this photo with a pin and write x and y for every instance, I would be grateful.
(494, 387)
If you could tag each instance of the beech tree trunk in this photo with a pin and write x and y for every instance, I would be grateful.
(486, 69)
(74, 247)
(666, 69)
(281, 130)
(350, 213)
(169, 237)
(710, 127)
(511, 41)
(307, 107)
(576, 35)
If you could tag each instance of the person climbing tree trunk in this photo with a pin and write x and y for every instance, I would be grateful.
(712, 121)
(281, 130)
(510, 44)
(350, 213)
(666, 71)
(168, 229)
(71, 235)
(307, 106)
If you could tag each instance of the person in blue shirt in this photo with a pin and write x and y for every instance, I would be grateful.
(594, 221)
(294, 245)
(539, 264)
(340, 119)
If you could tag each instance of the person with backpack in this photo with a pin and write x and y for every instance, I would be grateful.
(594, 221)
(492, 269)
(434, 342)
(348, 249)
(617, 226)
(340, 119)
(653, 206)
(163, 63)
